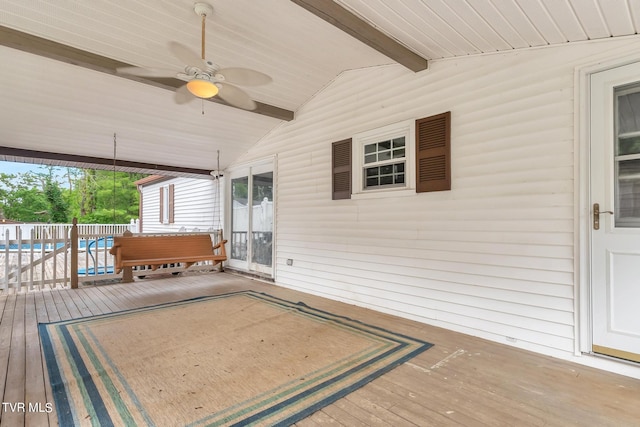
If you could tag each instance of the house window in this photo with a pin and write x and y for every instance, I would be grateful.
(382, 159)
(384, 163)
(167, 204)
(405, 158)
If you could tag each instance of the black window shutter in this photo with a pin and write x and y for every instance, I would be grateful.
(433, 153)
(341, 169)
(171, 203)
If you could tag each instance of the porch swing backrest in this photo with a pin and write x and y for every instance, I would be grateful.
(155, 251)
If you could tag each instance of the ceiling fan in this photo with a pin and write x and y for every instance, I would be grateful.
(204, 78)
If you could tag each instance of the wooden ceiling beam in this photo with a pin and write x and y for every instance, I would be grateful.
(12, 154)
(50, 49)
(353, 25)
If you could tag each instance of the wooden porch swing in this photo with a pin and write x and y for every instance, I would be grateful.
(157, 250)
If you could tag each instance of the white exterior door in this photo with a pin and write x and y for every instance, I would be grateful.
(251, 219)
(615, 192)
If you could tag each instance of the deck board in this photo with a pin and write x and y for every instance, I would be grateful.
(461, 381)
(94, 305)
(99, 295)
(50, 306)
(6, 330)
(357, 410)
(65, 307)
(415, 406)
(35, 390)
(16, 370)
(76, 299)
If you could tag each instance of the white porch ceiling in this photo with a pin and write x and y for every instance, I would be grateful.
(447, 28)
(55, 106)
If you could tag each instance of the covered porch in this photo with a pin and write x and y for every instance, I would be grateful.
(462, 380)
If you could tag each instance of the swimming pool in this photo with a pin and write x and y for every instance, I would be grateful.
(82, 244)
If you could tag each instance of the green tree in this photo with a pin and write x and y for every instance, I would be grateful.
(5, 180)
(110, 198)
(93, 196)
(22, 198)
(27, 205)
(58, 206)
(82, 196)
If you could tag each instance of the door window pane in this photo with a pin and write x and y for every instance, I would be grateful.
(628, 120)
(239, 217)
(262, 219)
(628, 193)
(628, 110)
(628, 145)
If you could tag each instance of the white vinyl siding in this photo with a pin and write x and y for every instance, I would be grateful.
(196, 205)
(493, 257)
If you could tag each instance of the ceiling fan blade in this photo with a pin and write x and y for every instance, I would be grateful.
(186, 55)
(244, 76)
(146, 72)
(235, 96)
(182, 95)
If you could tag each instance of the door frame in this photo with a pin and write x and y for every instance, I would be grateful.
(270, 163)
(582, 198)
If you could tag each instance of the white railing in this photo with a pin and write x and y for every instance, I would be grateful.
(94, 260)
(36, 261)
(73, 255)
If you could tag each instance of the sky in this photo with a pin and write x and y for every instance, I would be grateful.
(13, 167)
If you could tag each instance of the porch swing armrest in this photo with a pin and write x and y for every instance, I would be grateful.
(117, 253)
(221, 245)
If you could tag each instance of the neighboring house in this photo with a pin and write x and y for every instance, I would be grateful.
(179, 204)
(505, 253)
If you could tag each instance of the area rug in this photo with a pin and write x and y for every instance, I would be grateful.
(243, 358)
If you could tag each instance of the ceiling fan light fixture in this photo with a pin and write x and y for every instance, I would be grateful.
(202, 88)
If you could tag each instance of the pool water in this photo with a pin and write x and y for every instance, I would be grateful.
(82, 244)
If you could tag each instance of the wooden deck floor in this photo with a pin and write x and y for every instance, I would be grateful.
(462, 380)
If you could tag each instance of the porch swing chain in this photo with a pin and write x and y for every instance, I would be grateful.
(114, 180)
(218, 191)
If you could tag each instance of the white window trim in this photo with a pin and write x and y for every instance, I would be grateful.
(395, 130)
(165, 204)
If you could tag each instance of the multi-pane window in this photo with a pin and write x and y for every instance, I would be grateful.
(400, 159)
(384, 163)
(383, 160)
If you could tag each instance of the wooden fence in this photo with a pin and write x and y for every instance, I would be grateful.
(69, 254)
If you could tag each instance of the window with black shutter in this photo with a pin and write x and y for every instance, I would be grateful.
(171, 203)
(167, 205)
(341, 169)
(433, 153)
